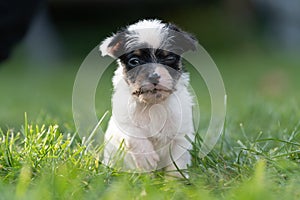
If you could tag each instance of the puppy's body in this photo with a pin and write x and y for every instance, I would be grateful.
(151, 104)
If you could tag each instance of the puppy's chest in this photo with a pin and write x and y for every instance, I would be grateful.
(158, 122)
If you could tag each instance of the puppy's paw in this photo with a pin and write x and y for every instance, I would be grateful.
(146, 162)
(143, 154)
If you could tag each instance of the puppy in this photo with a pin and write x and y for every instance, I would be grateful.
(151, 105)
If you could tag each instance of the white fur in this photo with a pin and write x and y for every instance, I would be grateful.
(153, 135)
(154, 23)
(147, 139)
(150, 32)
(146, 31)
(104, 46)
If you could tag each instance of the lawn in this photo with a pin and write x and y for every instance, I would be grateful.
(257, 157)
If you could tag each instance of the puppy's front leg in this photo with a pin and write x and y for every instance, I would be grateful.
(180, 158)
(142, 152)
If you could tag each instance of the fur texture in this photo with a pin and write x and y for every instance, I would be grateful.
(151, 105)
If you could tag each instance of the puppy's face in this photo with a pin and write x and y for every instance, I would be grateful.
(151, 73)
(150, 54)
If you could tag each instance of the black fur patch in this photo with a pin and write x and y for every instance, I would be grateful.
(116, 46)
(183, 41)
(149, 55)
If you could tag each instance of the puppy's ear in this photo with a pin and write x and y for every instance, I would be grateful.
(183, 40)
(114, 45)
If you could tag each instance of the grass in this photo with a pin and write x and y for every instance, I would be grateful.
(258, 156)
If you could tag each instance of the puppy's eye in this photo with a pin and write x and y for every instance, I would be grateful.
(170, 59)
(134, 61)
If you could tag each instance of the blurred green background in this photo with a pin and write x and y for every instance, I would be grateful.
(255, 45)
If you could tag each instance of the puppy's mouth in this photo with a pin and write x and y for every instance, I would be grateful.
(150, 93)
(141, 91)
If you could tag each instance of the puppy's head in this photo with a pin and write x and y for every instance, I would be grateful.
(150, 54)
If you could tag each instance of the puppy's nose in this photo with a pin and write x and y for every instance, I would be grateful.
(154, 78)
